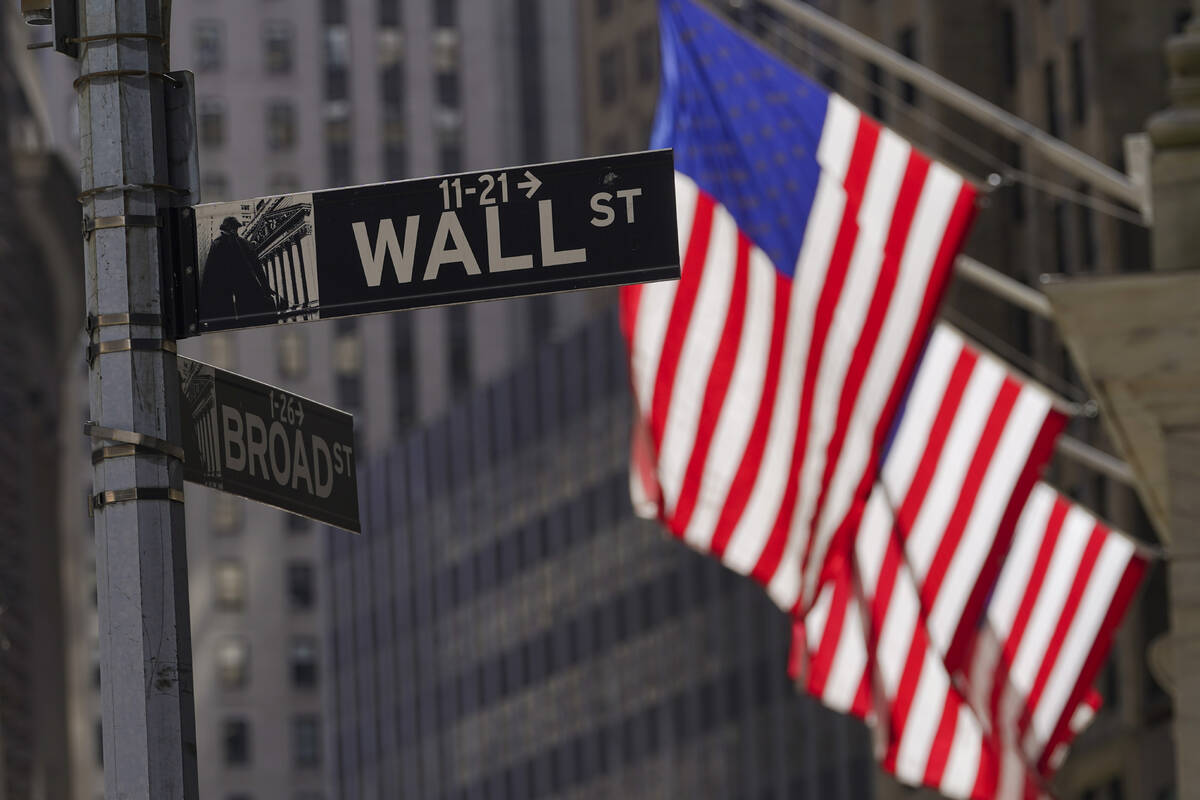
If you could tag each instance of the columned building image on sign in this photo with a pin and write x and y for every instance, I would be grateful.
(506, 628)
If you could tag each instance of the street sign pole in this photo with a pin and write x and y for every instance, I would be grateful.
(147, 709)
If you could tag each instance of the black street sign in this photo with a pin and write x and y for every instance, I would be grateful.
(256, 441)
(409, 244)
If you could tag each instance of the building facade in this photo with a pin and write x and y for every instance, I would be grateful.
(303, 95)
(41, 314)
(506, 628)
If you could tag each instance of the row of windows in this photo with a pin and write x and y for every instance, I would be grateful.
(229, 578)
(587, 636)
(611, 66)
(237, 741)
(674, 722)
(491, 566)
(233, 663)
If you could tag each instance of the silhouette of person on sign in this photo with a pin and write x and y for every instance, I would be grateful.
(234, 283)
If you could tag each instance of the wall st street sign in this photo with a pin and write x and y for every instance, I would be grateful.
(260, 442)
(408, 244)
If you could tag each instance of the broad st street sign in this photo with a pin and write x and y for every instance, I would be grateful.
(256, 441)
(409, 244)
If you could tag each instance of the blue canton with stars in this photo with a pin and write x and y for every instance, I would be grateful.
(744, 126)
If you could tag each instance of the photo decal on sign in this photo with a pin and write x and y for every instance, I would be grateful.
(258, 260)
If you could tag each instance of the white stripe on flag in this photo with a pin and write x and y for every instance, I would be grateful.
(696, 357)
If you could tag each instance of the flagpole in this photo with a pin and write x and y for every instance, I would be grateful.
(1009, 125)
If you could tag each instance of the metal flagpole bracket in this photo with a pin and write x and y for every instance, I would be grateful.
(127, 345)
(108, 498)
(139, 440)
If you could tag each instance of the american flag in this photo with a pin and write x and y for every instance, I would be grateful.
(816, 247)
(951, 561)
(781, 428)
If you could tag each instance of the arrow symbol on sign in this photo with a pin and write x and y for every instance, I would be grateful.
(533, 184)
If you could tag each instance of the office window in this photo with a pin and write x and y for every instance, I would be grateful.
(333, 12)
(293, 353)
(214, 187)
(1078, 82)
(405, 394)
(301, 586)
(226, 514)
(1050, 84)
(233, 663)
(460, 350)
(647, 55)
(230, 590)
(306, 741)
(302, 661)
(281, 125)
(1060, 238)
(339, 153)
(445, 13)
(211, 121)
(875, 84)
(297, 524)
(450, 154)
(277, 48)
(235, 741)
(1008, 46)
(337, 63)
(908, 48)
(612, 75)
(391, 82)
(389, 13)
(283, 183)
(1087, 232)
(1017, 191)
(210, 46)
(347, 364)
(447, 89)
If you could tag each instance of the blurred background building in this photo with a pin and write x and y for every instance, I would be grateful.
(41, 509)
(300, 637)
(508, 629)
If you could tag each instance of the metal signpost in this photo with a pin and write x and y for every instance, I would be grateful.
(510, 232)
(160, 268)
(267, 444)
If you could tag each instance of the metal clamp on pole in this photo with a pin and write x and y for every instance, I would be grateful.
(97, 321)
(108, 498)
(137, 440)
(126, 345)
(120, 221)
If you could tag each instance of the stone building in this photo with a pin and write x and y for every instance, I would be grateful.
(41, 315)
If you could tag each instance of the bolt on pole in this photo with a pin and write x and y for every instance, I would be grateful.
(147, 707)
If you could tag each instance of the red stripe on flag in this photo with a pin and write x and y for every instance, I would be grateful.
(939, 276)
(960, 375)
(681, 314)
(822, 660)
(902, 217)
(943, 740)
(743, 481)
(827, 304)
(718, 385)
(950, 538)
(973, 611)
(1037, 577)
(1122, 597)
(1049, 656)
